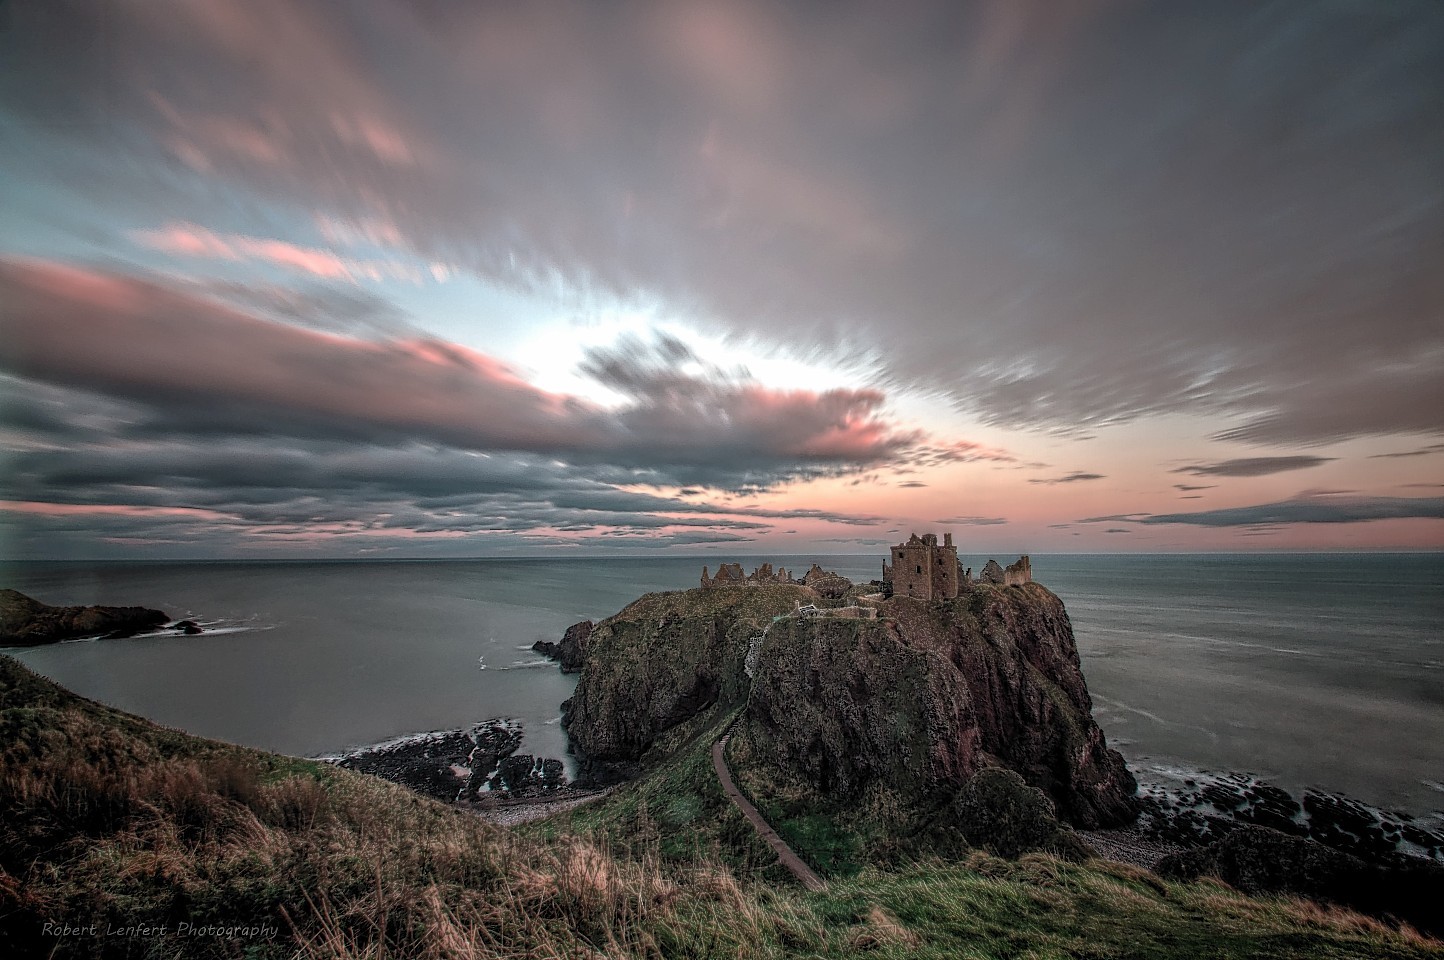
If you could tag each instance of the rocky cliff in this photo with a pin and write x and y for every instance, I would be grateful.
(571, 652)
(917, 701)
(27, 622)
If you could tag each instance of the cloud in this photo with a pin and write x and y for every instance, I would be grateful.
(1117, 530)
(912, 484)
(204, 362)
(1420, 452)
(778, 172)
(1115, 518)
(334, 308)
(239, 496)
(1310, 509)
(1190, 486)
(1068, 478)
(972, 521)
(1252, 467)
(935, 454)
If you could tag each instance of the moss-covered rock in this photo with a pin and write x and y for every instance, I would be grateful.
(1262, 860)
(930, 694)
(998, 812)
(661, 661)
(901, 713)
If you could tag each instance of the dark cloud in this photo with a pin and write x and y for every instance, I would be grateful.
(1117, 530)
(1252, 466)
(1420, 452)
(1186, 487)
(1146, 211)
(1115, 518)
(73, 482)
(912, 484)
(1311, 509)
(973, 521)
(1068, 478)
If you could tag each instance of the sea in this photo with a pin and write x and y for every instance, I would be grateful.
(1320, 671)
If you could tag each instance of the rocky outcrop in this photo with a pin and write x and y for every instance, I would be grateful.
(920, 701)
(931, 694)
(27, 622)
(1262, 860)
(662, 661)
(571, 652)
(476, 764)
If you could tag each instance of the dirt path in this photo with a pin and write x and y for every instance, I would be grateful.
(784, 853)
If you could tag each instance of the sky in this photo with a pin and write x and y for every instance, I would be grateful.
(297, 278)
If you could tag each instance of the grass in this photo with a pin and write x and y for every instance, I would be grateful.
(108, 819)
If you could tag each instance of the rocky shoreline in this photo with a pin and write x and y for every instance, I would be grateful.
(1204, 807)
(476, 765)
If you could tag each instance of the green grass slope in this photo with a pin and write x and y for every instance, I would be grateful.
(121, 838)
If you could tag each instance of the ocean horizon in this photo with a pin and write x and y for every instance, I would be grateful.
(1313, 670)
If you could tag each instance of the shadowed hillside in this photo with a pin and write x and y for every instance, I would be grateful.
(120, 838)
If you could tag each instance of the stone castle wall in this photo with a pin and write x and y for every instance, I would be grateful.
(731, 575)
(922, 568)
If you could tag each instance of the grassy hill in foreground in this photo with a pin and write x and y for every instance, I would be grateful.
(113, 829)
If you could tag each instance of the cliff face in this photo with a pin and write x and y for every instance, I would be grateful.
(27, 622)
(661, 661)
(926, 697)
(919, 700)
(571, 652)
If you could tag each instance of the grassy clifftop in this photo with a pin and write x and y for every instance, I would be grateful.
(122, 838)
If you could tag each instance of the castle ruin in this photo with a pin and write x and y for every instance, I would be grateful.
(1013, 575)
(924, 569)
(731, 575)
(920, 568)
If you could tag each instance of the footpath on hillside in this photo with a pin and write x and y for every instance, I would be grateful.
(785, 854)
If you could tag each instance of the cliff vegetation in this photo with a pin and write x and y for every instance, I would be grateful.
(123, 833)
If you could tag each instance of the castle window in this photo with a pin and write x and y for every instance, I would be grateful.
(920, 569)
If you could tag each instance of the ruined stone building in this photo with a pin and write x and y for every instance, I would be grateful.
(1014, 575)
(923, 569)
(920, 568)
(731, 575)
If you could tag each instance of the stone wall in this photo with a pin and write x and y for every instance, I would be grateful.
(731, 575)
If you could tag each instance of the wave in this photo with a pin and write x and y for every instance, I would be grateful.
(527, 664)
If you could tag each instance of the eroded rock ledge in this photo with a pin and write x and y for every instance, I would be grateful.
(26, 622)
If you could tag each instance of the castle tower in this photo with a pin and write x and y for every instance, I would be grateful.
(923, 569)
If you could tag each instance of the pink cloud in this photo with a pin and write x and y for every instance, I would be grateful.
(186, 354)
(46, 509)
(189, 239)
